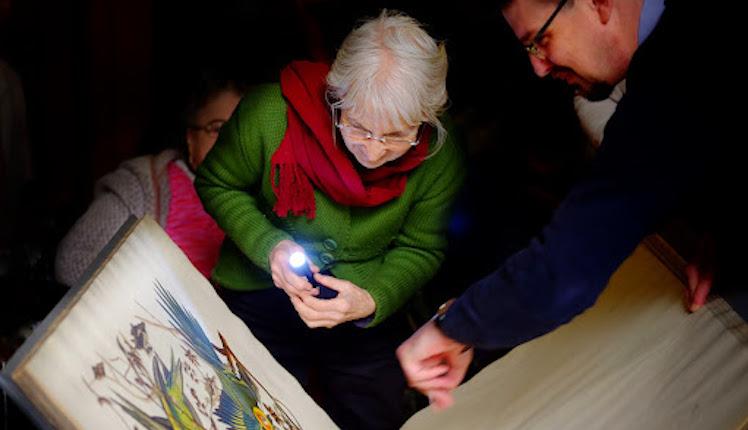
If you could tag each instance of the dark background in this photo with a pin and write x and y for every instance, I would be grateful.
(104, 81)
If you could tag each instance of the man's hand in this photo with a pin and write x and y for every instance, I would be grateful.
(351, 303)
(699, 284)
(434, 364)
(700, 274)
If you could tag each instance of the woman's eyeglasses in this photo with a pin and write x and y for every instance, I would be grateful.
(360, 135)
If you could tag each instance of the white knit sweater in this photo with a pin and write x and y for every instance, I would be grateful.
(138, 187)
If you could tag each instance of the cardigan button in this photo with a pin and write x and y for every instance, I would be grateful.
(330, 244)
(326, 258)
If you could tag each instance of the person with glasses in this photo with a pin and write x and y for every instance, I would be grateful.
(351, 164)
(160, 185)
(668, 146)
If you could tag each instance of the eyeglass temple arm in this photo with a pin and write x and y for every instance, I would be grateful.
(548, 22)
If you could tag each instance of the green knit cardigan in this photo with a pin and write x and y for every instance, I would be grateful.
(390, 250)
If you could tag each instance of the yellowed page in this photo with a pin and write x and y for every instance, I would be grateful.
(117, 360)
(635, 360)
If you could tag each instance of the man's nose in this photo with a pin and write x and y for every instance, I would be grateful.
(541, 67)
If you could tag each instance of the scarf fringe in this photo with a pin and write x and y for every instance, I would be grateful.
(293, 190)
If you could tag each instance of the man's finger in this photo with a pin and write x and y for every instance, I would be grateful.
(446, 381)
(692, 275)
(700, 294)
(432, 361)
(422, 377)
(440, 399)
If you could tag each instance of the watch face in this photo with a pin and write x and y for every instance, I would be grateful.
(442, 310)
(441, 313)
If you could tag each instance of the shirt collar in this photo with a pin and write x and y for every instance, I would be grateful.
(650, 15)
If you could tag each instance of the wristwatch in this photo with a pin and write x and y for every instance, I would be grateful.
(441, 312)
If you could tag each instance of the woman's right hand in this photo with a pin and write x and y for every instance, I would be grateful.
(283, 276)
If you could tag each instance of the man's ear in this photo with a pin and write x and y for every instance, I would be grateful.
(603, 9)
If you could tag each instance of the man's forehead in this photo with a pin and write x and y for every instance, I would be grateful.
(525, 17)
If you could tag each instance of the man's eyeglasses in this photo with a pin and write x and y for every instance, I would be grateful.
(212, 127)
(361, 135)
(533, 47)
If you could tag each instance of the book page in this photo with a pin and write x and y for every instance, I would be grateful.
(635, 360)
(149, 344)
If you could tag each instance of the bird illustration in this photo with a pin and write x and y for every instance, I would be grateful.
(145, 420)
(239, 398)
(169, 390)
(170, 386)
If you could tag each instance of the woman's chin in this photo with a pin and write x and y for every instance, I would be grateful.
(370, 164)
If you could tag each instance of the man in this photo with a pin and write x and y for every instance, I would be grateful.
(660, 152)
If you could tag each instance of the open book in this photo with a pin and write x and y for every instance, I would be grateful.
(147, 343)
(635, 360)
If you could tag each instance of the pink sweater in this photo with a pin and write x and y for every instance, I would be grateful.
(188, 225)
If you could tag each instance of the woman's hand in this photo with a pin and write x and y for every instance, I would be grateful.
(283, 276)
(351, 303)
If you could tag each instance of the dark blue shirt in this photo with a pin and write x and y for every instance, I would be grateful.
(661, 147)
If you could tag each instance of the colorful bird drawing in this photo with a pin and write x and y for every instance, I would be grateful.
(169, 390)
(239, 397)
(238, 404)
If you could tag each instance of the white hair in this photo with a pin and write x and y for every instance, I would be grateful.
(390, 68)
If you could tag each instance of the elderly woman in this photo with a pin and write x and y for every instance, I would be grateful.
(353, 165)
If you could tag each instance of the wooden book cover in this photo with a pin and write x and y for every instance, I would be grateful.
(146, 343)
(635, 360)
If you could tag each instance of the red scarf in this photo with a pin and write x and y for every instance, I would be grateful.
(308, 155)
